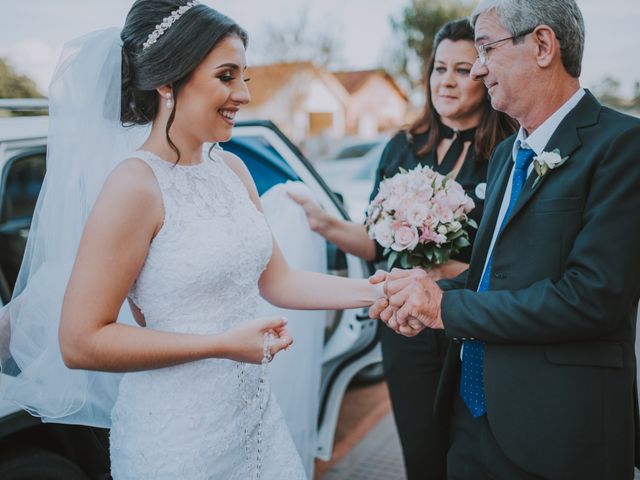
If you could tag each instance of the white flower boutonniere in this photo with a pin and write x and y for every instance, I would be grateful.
(547, 161)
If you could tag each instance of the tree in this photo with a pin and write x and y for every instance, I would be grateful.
(13, 85)
(608, 92)
(636, 94)
(416, 26)
(296, 41)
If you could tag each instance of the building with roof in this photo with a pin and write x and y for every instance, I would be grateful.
(302, 99)
(376, 102)
(309, 102)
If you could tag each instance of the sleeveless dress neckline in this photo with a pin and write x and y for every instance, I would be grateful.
(179, 165)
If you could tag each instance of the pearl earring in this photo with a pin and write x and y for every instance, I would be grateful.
(169, 102)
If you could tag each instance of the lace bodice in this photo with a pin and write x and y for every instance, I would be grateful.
(212, 418)
(209, 253)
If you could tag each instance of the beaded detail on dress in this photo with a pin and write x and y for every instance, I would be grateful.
(201, 420)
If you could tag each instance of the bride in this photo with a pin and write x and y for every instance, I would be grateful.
(180, 236)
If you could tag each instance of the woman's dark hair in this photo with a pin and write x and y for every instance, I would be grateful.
(169, 61)
(494, 126)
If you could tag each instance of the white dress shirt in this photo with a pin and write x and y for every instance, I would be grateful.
(536, 141)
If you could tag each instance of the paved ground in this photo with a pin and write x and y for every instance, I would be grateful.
(376, 457)
(362, 410)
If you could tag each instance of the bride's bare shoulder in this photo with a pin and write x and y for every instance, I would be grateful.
(132, 189)
(133, 177)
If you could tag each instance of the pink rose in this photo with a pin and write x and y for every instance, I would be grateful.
(406, 238)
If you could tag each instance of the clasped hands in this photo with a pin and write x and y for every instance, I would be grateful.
(411, 302)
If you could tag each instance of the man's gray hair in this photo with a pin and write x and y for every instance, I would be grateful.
(562, 16)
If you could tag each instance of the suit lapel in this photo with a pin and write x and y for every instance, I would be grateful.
(492, 206)
(566, 140)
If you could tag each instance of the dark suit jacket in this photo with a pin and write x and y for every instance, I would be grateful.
(559, 321)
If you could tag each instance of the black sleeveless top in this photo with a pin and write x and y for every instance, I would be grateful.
(472, 176)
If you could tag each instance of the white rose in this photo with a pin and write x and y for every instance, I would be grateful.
(431, 221)
(456, 196)
(383, 233)
(417, 213)
(442, 230)
(454, 226)
(443, 212)
(415, 180)
(550, 159)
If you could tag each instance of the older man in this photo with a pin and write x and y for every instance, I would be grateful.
(542, 382)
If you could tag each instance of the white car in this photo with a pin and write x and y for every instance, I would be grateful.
(352, 179)
(30, 449)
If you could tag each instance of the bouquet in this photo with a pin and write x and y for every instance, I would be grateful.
(420, 217)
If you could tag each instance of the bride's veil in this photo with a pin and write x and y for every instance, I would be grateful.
(86, 140)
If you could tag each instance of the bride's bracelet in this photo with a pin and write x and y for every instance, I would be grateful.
(266, 348)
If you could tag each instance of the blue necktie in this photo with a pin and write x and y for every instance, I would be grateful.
(471, 380)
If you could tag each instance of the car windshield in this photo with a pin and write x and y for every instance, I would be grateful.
(353, 151)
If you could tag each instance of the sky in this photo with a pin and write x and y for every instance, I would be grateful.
(32, 32)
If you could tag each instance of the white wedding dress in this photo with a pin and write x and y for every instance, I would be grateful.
(208, 419)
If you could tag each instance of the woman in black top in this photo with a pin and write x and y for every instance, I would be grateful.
(455, 134)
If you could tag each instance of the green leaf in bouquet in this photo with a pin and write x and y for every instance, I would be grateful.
(404, 261)
(386, 251)
(415, 260)
(454, 235)
(462, 242)
(440, 255)
(393, 256)
(472, 223)
(428, 252)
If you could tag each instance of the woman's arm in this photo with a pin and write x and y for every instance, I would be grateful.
(449, 269)
(349, 237)
(126, 216)
(295, 289)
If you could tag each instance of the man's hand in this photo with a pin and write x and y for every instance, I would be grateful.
(416, 299)
(412, 303)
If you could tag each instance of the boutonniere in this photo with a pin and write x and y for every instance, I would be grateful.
(547, 161)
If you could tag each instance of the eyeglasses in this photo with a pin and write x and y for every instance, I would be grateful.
(484, 49)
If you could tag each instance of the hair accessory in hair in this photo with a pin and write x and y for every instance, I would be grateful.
(166, 24)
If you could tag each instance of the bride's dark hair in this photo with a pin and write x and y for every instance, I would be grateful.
(169, 61)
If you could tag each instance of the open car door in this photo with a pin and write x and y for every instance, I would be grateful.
(350, 338)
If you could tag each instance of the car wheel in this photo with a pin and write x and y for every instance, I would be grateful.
(370, 374)
(40, 464)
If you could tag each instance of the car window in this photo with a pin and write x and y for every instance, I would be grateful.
(23, 180)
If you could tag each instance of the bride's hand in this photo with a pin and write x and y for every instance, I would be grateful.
(245, 342)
